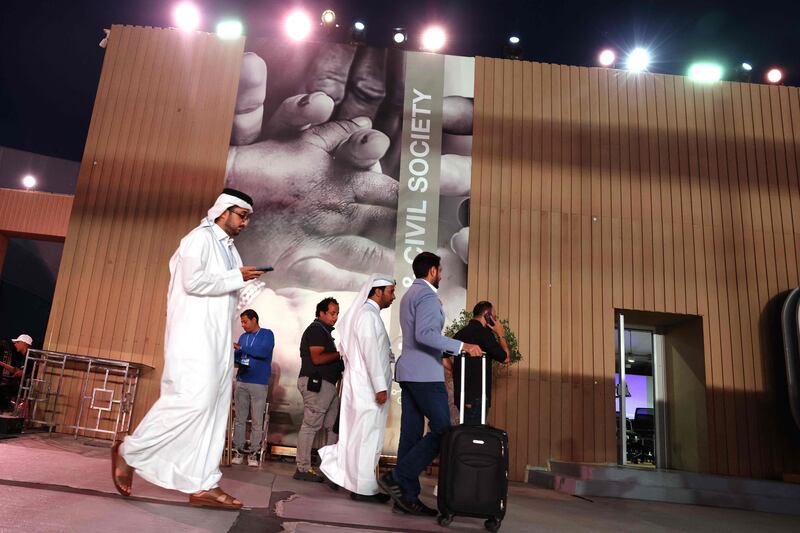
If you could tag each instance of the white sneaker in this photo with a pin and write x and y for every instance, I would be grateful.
(252, 459)
(238, 458)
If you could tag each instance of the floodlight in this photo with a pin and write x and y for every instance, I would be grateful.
(328, 17)
(433, 39)
(705, 72)
(774, 75)
(638, 60)
(607, 58)
(187, 16)
(400, 36)
(229, 29)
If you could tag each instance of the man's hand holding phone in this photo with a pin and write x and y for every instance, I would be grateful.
(250, 272)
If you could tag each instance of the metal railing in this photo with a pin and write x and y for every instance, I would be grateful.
(105, 402)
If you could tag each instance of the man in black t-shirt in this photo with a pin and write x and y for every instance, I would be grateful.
(12, 361)
(486, 331)
(320, 370)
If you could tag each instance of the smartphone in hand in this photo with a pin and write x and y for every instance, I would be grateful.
(265, 268)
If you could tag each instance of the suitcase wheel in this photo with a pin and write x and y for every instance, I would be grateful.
(445, 520)
(493, 525)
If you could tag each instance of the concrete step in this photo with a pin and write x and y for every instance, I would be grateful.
(676, 479)
(606, 481)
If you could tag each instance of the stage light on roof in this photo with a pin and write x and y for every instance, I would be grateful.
(229, 29)
(187, 16)
(328, 17)
(638, 60)
(298, 25)
(774, 75)
(433, 39)
(607, 58)
(513, 48)
(400, 36)
(705, 72)
(358, 34)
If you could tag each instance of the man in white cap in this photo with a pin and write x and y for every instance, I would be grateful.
(367, 380)
(11, 371)
(178, 445)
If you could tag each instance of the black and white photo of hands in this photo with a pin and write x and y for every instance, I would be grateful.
(318, 147)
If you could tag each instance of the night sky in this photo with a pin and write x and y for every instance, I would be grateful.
(50, 61)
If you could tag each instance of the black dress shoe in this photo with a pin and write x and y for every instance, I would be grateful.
(416, 508)
(374, 498)
(308, 475)
(391, 487)
(398, 510)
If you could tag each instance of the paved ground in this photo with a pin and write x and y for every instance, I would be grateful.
(61, 485)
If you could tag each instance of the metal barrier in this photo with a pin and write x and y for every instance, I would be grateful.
(107, 392)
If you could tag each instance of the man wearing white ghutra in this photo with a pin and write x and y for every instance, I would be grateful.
(178, 445)
(367, 381)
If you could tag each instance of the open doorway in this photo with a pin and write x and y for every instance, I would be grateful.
(660, 392)
(635, 364)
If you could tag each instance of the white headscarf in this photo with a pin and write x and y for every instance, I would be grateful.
(225, 201)
(346, 324)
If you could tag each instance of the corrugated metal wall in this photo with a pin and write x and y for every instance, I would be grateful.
(595, 190)
(154, 162)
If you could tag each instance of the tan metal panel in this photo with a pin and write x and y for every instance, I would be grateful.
(510, 292)
(34, 215)
(689, 191)
(154, 160)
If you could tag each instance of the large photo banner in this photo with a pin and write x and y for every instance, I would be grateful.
(357, 159)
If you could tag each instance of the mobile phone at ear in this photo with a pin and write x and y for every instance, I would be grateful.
(489, 320)
(265, 268)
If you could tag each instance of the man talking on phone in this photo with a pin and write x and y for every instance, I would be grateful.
(486, 331)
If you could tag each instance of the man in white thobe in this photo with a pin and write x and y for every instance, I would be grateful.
(367, 380)
(179, 443)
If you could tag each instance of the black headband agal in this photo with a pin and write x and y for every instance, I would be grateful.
(238, 194)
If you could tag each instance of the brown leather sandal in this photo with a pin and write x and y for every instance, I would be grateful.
(120, 481)
(215, 498)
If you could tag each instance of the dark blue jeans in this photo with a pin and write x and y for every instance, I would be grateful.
(419, 400)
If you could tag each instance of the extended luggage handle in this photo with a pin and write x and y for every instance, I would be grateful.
(464, 356)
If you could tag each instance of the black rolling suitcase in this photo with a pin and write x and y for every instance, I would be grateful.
(473, 468)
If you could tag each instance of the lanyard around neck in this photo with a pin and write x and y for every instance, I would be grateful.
(252, 338)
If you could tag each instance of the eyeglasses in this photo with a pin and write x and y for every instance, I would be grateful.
(244, 216)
